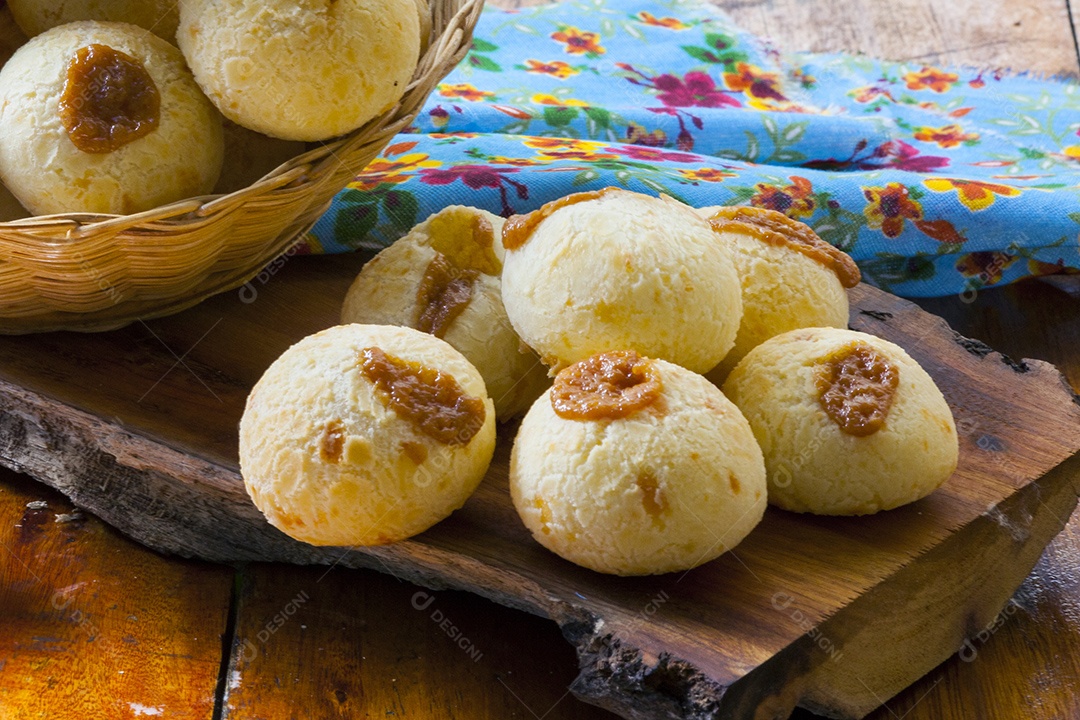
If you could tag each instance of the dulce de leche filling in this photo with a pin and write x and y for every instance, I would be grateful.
(332, 442)
(856, 386)
(108, 100)
(778, 229)
(431, 400)
(607, 386)
(444, 292)
(519, 228)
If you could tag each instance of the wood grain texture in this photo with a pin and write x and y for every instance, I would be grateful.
(1033, 36)
(1027, 668)
(992, 33)
(1022, 663)
(319, 643)
(1026, 664)
(715, 640)
(94, 626)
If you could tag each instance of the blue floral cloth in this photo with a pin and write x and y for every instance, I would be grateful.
(935, 180)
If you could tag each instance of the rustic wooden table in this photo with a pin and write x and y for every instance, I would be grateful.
(93, 625)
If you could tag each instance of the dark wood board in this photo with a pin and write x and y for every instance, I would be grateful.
(837, 615)
(93, 630)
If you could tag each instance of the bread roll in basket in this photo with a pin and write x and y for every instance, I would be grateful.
(99, 272)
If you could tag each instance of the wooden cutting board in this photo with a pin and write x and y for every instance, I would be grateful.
(832, 614)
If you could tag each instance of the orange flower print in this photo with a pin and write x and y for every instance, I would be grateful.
(888, 207)
(572, 154)
(930, 78)
(755, 82)
(578, 42)
(465, 91)
(516, 162)
(975, 195)
(638, 135)
(560, 143)
(711, 175)
(544, 99)
(383, 170)
(870, 93)
(1037, 267)
(796, 200)
(988, 267)
(555, 68)
(946, 137)
(1072, 152)
(556, 148)
(668, 22)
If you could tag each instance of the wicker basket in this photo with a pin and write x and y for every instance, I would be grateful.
(100, 272)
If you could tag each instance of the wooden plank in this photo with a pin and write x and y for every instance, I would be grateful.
(217, 362)
(183, 378)
(94, 626)
(1022, 663)
(1033, 36)
(319, 643)
(716, 630)
(1029, 667)
(1025, 663)
(1001, 676)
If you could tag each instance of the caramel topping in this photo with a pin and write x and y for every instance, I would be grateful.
(417, 452)
(332, 444)
(519, 228)
(431, 400)
(610, 385)
(109, 100)
(466, 238)
(856, 386)
(444, 292)
(777, 228)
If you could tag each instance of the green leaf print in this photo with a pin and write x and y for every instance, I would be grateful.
(354, 222)
(481, 62)
(559, 116)
(483, 45)
(401, 209)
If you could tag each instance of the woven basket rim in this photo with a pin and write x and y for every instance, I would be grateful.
(38, 253)
(288, 171)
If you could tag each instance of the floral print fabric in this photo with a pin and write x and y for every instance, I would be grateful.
(936, 180)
